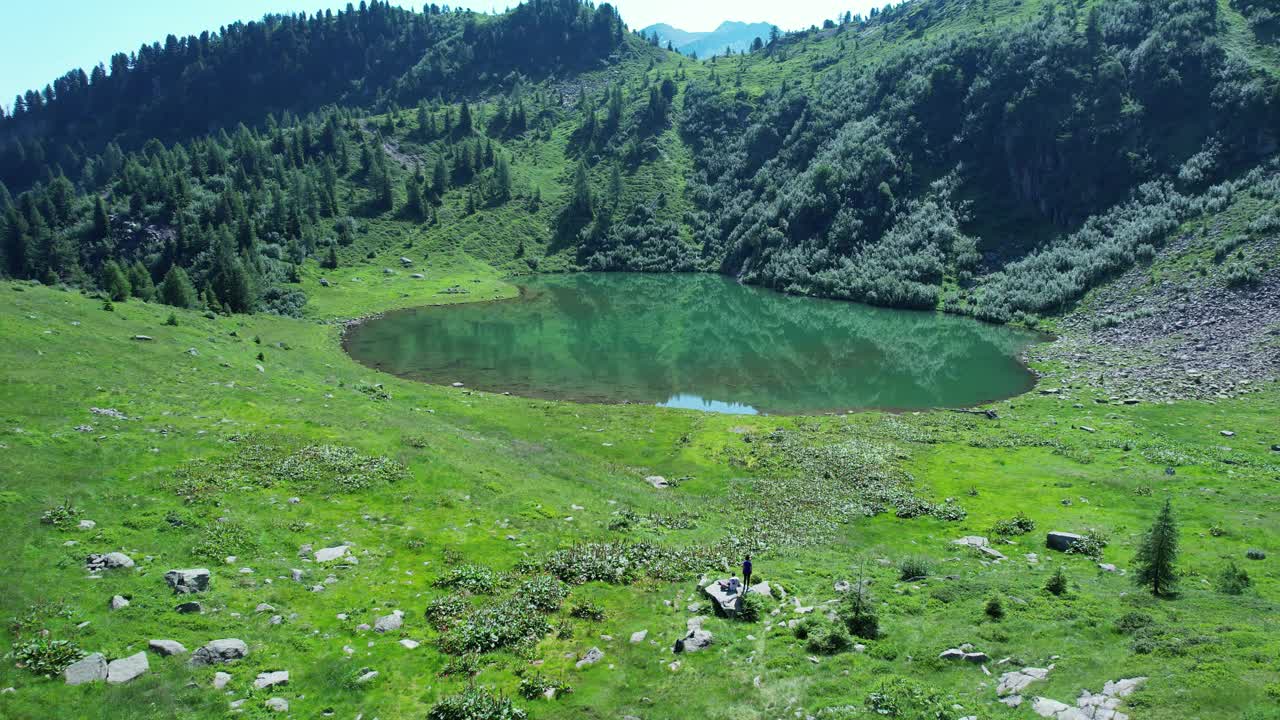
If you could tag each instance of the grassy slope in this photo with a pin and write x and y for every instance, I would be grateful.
(482, 467)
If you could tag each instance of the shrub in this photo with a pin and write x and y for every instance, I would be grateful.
(220, 539)
(61, 516)
(475, 579)
(544, 593)
(901, 698)
(859, 617)
(1217, 531)
(752, 608)
(912, 568)
(46, 657)
(994, 608)
(1233, 580)
(587, 611)
(1091, 544)
(1132, 622)
(442, 611)
(828, 640)
(1019, 524)
(536, 685)
(506, 624)
(172, 320)
(1057, 583)
(463, 665)
(475, 703)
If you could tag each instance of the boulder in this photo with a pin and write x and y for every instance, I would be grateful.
(697, 639)
(190, 608)
(128, 668)
(90, 669)
(277, 705)
(87, 525)
(332, 553)
(658, 481)
(271, 679)
(977, 658)
(220, 680)
(409, 644)
(593, 656)
(109, 561)
(220, 651)
(166, 648)
(387, 623)
(725, 596)
(1013, 683)
(951, 654)
(1062, 541)
(982, 545)
(119, 602)
(193, 580)
(638, 637)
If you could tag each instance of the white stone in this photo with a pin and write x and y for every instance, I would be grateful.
(89, 669)
(331, 553)
(277, 705)
(128, 668)
(271, 679)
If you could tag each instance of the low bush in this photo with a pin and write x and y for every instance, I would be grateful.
(994, 608)
(536, 685)
(1057, 583)
(475, 703)
(902, 698)
(1132, 622)
(442, 611)
(913, 568)
(475, 579)
(587, 611)
(753, 607)
(1233, 580)
(220, 539)
(61, 516)
(46, 657)
(506, 624)
(1019, 524)
(544, 593)
(1092, 544)
(828, 639)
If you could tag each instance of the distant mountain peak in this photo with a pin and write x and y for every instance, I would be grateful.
(733, 34)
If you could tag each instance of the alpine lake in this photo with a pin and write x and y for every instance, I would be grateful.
(698, 341)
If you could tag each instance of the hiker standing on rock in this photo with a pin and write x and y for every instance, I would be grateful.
(746, 572)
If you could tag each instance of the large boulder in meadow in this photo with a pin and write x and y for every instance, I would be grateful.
(165, 648)
(1062, 541)
(183, 582)
(220, 651)
(127, 668)
(90, 669)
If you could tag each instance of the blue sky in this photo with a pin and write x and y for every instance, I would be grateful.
(41, 40)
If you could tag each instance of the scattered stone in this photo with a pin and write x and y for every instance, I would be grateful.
(263, 607)
(166, 648)
(110, 561)
(951, 654)
(638, 637)
(982, 545)
(271, 679)
(220, 680)
(332, 553)
(190, 608)
(143, 338)
(1062, 541)
(1088, 429)
(367, 677)
(277, 705)
(1228, 433)
(296, 574)
(90, 669)
(220, 651)
(1107, 567)
(324, 282)
(183, 582)
(658, 481)
(593, 656)
(697, 639)
(418, 276)
(977, 658)
(87, 525)
(409, 644)
(1013, 683)
(119, 602)
(387, 623)
(126, 669)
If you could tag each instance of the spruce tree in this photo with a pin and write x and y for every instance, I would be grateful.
(581, 204)
(331, 260)
(177, 289)
(140, 282)
(114, 282)
(101, 221)
(1157, 553)
(413, 195)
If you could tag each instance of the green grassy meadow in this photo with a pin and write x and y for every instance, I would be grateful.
(194, 475)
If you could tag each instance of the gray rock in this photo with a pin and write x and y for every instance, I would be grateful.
(128, 668)
(982, 545)
(296, 574)
(143, 338)
(271, 679)
(220, 651)
(1013, 683)
(166, 648)
(695, 640)
(277, 705)
(593, 656)
(658, 481)
(332, 553)
(387, 623)
(193, 580)
(263, 607)
(951, 654)
(87, 525)
(638, 637)
(220, 680)
(977, 658)
(190, 608)
(1062, 541)
(109, 561)
(90, 669)
(119, 602)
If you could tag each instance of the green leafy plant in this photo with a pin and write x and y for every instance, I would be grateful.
(46, 657)
(475, 703)
(61, 516)
(913, 568)
(1019, 524)
(587, 610)
(1233, 580)
(475, 579)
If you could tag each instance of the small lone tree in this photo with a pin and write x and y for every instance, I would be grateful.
(1157, 553)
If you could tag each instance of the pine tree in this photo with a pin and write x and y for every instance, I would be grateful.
(502, 179)
(114, 282)
(331, 260)
(615, 186)
(464, 120)
(1157, 553)
(413, 195)
(439, 178)
(140, 281)
(177, 290)
(6, 200)
(581, 204)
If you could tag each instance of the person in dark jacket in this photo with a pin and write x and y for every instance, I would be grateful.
(746, 573)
